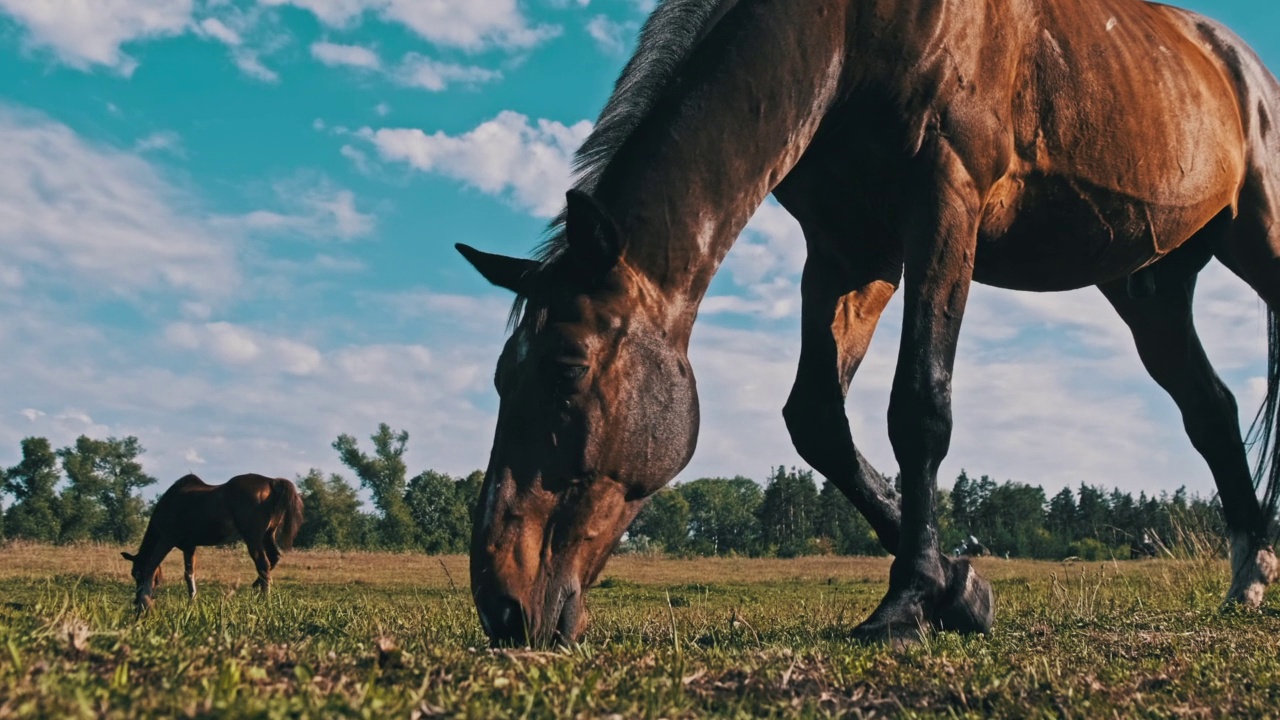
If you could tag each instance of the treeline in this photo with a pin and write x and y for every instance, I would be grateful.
(790, 516)
(89, 491)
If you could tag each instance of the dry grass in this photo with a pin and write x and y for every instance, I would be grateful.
(380, 635)
(231, 565)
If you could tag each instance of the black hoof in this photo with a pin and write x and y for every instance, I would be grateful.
(968, 605)
(897, 623)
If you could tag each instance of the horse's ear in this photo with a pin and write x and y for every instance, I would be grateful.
(128, 557)
(505, 272)
(594, 239)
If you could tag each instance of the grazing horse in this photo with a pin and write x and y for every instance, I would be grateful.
(1038, 145)
(265, 512)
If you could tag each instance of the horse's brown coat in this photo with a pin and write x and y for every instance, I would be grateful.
(1031, 144)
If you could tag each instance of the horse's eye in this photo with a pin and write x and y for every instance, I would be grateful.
(572, 373)
(567, 376)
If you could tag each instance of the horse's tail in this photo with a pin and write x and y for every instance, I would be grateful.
(1262, 434)
(287, 510)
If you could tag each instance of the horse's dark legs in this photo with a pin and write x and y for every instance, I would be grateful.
(189, 569)
(838, 319)
(272, 550)
(1170, 350)
(940, 238)
(837, 322)
(1251, 250)
(259, 556)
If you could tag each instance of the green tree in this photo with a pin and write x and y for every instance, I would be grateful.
(664, 521)
(383, 474)
(722, 515)
(469, 490)
(963, 503)
(1011, 518)
(1061, 516)
(1091, 512)
(840, 521)
(101, 500)
(788, 512)
(34, 513)
(331, 509)
(439, 509)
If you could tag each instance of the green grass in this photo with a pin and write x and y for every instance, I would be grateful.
(396, 636)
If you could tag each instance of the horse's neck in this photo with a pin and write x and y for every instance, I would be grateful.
(685, 184)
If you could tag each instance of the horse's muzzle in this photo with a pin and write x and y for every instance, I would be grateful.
(509, 623)
(504, 621)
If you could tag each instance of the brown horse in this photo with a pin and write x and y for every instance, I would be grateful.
(265, 512)
(1039, 145)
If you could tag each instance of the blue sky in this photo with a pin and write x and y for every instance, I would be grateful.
(226, 227)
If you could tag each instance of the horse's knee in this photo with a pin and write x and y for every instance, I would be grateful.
(812, 423)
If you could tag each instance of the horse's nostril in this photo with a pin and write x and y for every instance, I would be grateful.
(504, 621)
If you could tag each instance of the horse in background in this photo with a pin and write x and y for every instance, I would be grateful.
(265, 512)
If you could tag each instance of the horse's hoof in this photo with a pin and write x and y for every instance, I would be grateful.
(896, 636)
(1252, 572)
(143, 604)
(897, 623)
(968, 606)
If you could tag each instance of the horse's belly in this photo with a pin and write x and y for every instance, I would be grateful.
(1054, 233)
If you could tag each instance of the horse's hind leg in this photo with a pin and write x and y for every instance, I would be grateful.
(1251, 249)
(272, 550)
(258, 554)
(189, 569)
(1170, 350)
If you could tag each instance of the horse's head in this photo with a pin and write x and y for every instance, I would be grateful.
(143, 597)
(598, 410)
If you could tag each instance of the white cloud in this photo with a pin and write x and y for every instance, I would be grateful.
(163, 141)
(382, 109)
(236, 345)
(91, 34)
(318, 212)
(216, 29)
(470, 25)
(765, 266)
(251, 64)
(11, 278)
(610, 36)
(423, 72)
(345, 55)
(241, 30)
(356, 156)
(72, 208)
(528, 164)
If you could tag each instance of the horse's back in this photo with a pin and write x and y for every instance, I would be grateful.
(1128, 140)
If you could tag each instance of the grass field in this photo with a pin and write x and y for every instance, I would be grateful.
(380, 635)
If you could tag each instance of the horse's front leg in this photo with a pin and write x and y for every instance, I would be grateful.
(940, 239)
(838, 317)
(189, 569)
